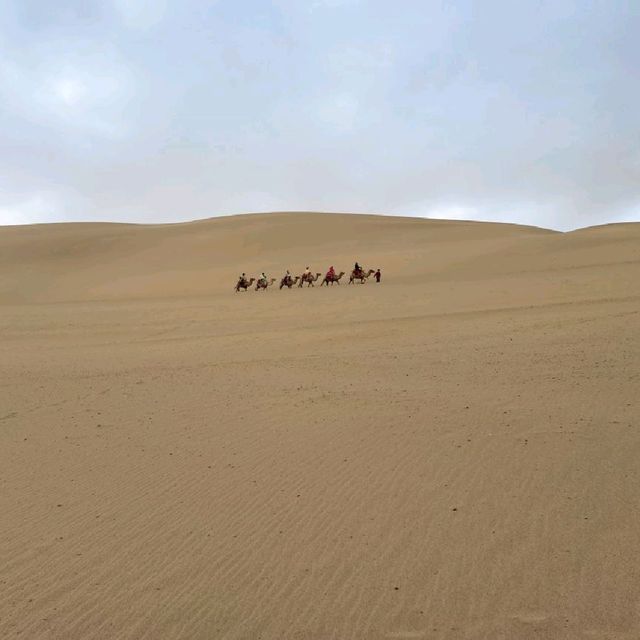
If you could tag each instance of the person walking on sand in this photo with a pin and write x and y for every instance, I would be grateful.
(377, 275)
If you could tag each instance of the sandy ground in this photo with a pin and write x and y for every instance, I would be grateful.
(450, 454)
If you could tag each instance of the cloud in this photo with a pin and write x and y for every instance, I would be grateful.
(38, 208)
(158, 111)
(68, 90)
(339, 112)
(333, 4)
(58, 85)
(141, 14)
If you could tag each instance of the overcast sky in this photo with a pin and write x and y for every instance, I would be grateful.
(167, 110)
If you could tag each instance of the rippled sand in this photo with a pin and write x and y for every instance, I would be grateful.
(450, 454)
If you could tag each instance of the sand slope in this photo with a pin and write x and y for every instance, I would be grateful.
(451, 454)
(107, 261)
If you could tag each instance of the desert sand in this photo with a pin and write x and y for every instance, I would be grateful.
(453, 453)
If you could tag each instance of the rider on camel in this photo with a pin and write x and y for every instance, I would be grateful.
(357, 270)
(331, 274)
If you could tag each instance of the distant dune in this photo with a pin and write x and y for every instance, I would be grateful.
(450, 454)
(97, 261)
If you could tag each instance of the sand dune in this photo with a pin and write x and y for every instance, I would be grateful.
(449, 454)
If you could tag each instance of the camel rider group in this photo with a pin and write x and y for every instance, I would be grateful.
(306, 276)
(358, 272)
(243, 280)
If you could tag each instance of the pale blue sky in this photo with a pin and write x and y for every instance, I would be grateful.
(167, 110)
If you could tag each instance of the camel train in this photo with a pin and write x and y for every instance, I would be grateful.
(361, 276)
(288, 281)
(358, 274)
(244, 283)
(309, 278)
(332, 278)
(264, 284)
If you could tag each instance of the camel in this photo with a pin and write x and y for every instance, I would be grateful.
(332, 280)
(309, 279)
(261, 284)
(244, 284)
(362, 276)
(288, 281)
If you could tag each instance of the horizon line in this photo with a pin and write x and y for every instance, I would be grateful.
(307, 212)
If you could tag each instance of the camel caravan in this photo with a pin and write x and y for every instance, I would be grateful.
(288, 281)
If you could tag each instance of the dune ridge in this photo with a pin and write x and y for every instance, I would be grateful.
(449, 454)
(94, 261)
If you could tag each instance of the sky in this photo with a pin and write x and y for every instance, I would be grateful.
(523, 111)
